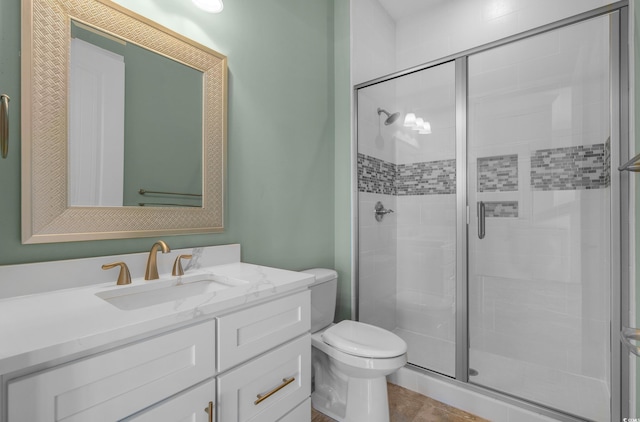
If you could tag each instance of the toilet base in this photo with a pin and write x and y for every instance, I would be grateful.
(366, 401)
(344, 398)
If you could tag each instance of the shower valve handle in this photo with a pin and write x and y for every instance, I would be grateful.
(381, 211)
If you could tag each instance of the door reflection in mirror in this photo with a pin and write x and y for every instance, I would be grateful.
(135, 120)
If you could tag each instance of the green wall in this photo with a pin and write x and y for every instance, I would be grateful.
(162, 128)
(343, 161)
(286, 201)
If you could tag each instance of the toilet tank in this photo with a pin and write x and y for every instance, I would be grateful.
(323, 297)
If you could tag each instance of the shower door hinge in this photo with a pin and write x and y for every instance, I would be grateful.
(467, 215)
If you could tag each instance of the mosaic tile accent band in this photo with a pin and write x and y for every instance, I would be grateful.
(570, 168)
(501, 209)
(498, 174)
(375, 175)
(426, 178)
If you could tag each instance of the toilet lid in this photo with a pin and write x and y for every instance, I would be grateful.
(360, 339)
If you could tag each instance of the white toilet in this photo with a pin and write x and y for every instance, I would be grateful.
(350, 360)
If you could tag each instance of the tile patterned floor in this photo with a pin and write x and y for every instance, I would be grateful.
(408, 406)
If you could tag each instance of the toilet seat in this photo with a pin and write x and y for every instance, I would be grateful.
(364, 340)
(357, 361)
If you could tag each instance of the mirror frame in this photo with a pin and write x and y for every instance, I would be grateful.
(46, 215)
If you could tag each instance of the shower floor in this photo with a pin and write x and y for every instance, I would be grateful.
(575, 394)
(579, 395)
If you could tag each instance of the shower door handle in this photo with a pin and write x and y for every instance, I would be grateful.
(629, 334)
(481, 217)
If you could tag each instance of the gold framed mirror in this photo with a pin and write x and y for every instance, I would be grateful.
(47, 215)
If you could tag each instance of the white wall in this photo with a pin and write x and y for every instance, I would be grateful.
(373, 41)
(454, 26)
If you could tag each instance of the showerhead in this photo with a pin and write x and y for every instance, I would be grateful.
(390, 117)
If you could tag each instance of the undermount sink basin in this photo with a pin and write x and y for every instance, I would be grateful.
(155, 292)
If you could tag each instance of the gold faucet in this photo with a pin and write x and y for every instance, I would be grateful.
(151, 273)
(124, 277)
(177, 265)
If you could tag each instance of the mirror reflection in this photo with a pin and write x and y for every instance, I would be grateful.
(171, 132)
(135, 125)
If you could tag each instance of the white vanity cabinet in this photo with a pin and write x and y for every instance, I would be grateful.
(245, 334)
(194, 405)
(116, 384)
(268, 387)
(252, 363)
(264, 360)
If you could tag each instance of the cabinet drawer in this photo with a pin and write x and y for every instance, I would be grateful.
(192, 405)
(245, 334)
(115, 384)
(302, 413)
(240, 390)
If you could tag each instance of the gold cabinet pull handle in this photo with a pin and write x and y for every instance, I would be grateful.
(263, 397)
(124, 277)
(4, 125)
(177, 265)
(209, 410)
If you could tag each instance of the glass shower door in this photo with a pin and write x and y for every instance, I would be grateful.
(539, 192)
(407, 258)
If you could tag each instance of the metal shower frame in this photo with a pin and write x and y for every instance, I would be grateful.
(620, 214)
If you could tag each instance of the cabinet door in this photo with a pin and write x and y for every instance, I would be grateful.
(115, 384)
(302, 413)
(267, 388)
(192, 406)
(245, 334)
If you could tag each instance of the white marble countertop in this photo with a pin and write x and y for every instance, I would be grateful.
(41, 327)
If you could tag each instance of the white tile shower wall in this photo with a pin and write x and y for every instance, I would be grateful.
(373, 41)
(426, 244)
(426, 259)
(376, 139)
(377, 266)
(552, 262)
(430, 94)
(407, 261)
(454, 26)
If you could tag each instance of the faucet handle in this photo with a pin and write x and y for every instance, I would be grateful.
(124, 277)
(177, 266)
